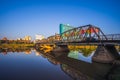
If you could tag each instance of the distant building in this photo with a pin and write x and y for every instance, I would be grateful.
(5, 38)
(53, 38)
(57, 37)
(27, 38)
(39, 37)
(64, 27)
(19, 38)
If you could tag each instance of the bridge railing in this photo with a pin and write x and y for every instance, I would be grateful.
(111, 37)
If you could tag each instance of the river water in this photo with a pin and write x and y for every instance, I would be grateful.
(33, 64)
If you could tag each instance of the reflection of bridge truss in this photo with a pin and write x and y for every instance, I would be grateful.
(87, 32)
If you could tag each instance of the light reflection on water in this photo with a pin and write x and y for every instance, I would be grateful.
(21, 66)
(79, 56)
(36, 65)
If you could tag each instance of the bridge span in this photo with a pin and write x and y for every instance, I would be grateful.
(88, 35)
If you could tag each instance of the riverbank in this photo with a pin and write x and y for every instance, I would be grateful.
(16, 45)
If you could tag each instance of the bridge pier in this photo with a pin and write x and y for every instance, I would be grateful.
(105, 54)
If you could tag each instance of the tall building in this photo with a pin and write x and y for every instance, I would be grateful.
(64, 27)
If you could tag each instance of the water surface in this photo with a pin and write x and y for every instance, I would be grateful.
(37, 65)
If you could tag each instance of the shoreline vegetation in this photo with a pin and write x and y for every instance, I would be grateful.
(14, 45)
(31, 45)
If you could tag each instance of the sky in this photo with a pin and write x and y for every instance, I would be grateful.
(19, 18)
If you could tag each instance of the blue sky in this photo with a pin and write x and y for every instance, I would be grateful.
(19, 18)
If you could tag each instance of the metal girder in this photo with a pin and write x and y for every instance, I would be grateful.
(83, 33)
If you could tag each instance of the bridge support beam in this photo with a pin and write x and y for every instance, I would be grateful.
(105, 54)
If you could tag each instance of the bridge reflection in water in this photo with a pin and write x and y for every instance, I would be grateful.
(77, 63)
(84, 69)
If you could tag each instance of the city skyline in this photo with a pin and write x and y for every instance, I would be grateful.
(19, 18)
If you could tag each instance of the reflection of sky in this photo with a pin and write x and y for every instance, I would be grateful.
(80, 56)
(21, 66)
(29, 17)
(86, 59)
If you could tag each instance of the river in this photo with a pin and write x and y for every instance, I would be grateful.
(31, 64)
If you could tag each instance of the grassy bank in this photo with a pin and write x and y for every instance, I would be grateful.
(16, 45)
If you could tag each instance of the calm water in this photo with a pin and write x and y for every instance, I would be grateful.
(36, 65)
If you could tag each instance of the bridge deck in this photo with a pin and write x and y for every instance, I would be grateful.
(104, 42)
